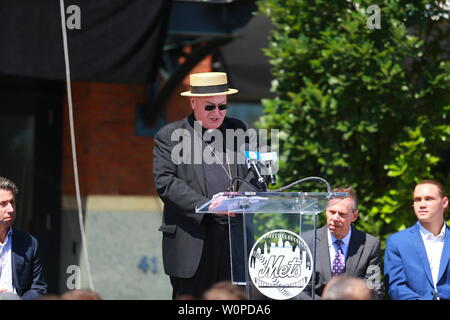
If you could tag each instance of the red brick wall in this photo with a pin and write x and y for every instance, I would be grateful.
(112, 159)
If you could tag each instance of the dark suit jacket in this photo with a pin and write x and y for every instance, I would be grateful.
(363, 259)
(27, 273)
(407, 270)
(182, 187)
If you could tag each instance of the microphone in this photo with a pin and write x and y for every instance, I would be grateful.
(252, 161)
(268, 159)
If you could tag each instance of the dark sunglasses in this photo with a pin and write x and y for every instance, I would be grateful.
(211, 107)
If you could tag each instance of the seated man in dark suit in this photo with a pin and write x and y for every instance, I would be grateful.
(20, 265)
(341, 249)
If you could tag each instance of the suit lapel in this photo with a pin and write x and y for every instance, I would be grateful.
(417, 242)
(196, 138)
(17, 262)
(323, 254)
(445, 258)
(198, 170)
(355, 249)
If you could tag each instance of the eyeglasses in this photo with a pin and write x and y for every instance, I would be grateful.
(211, 107)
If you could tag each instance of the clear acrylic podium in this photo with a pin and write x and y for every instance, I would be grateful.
(273, 240)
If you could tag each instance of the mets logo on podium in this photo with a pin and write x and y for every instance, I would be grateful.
(280, 264)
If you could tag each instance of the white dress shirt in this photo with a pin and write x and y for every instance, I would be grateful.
(433, 247)
(332, 247)
(6, 264)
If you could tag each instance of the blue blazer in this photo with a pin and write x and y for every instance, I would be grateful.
(406, 268)
(27, 273)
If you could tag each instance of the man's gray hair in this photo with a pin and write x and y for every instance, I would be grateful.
(347, 288)
(6, 184)
(352, 195)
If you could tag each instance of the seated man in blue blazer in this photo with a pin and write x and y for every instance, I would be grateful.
(20, 264)
(416, 263)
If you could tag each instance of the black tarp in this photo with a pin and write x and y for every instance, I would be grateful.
(244, 59)
(119, 40)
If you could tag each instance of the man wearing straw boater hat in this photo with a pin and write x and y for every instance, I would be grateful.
(196, 251)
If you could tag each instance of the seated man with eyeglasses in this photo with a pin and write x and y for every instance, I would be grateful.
(192, 162)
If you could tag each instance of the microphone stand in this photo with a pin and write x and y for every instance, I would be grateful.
(261, 181)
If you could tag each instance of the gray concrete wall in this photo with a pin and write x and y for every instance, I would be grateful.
(123, 245)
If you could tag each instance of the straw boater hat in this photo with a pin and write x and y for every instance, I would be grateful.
(208, 84)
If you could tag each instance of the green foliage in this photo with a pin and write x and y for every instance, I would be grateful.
(359, 107)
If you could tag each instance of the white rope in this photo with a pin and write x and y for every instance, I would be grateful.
(72, 140)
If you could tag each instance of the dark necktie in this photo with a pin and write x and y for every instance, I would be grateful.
(339, 259)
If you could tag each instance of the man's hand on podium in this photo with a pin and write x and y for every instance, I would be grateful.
(219, 216)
